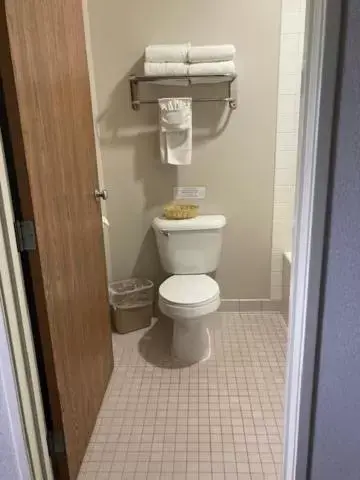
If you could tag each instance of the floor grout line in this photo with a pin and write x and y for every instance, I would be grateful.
(220, 419)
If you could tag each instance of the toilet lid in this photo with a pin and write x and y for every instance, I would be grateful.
(189, 289)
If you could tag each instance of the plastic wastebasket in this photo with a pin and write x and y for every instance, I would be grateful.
(131, 303)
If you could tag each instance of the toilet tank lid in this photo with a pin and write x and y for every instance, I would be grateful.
(202, 222)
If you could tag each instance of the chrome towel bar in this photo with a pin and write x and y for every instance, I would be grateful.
(183, 80)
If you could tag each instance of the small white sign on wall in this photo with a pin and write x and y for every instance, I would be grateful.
(181, 193)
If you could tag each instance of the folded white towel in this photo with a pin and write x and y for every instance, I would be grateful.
(177, 53)
(211, 53)
(165, 68)
(175, 130)
(213, 68)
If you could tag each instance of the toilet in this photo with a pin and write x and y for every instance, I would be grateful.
(189, 250)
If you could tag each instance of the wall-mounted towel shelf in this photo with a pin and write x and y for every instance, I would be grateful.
(182, 80)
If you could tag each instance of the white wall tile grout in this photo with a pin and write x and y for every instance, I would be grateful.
(291, 50)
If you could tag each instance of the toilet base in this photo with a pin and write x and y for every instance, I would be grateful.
(191, 341)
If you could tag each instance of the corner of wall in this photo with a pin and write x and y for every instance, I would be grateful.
(99, 161)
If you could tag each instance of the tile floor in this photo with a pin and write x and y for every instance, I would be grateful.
(220, 419)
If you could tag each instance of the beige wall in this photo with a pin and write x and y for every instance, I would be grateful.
(235, 163)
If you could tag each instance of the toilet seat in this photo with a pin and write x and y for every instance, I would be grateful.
(189, 296)
(189, 290)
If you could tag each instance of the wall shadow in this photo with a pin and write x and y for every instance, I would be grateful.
(134, 136)
(118, 120)
(119, 126)
(148, 262)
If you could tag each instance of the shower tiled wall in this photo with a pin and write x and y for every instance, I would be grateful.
(291, 53)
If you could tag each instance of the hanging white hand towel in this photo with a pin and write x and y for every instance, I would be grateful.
(175, 130)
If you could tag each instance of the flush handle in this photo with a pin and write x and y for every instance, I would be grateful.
(165, 233)
(101, 194)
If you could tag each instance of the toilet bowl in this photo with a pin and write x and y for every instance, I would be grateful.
(188, 299)
(189, 250)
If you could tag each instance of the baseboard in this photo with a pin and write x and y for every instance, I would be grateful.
(250, 305)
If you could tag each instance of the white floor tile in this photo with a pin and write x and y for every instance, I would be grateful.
(221, 418)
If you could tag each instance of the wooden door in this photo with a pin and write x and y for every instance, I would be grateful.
(47, 95)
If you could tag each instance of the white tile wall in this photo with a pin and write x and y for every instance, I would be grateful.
(291, 52)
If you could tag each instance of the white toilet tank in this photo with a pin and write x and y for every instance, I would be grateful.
(189, 246)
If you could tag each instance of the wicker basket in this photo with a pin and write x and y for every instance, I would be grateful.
(180, 212)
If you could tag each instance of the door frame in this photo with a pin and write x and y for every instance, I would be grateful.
(322, 39)
(19, 332)
(318, 89)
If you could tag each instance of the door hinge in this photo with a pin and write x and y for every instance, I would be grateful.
(25, 235)
(56, 442)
